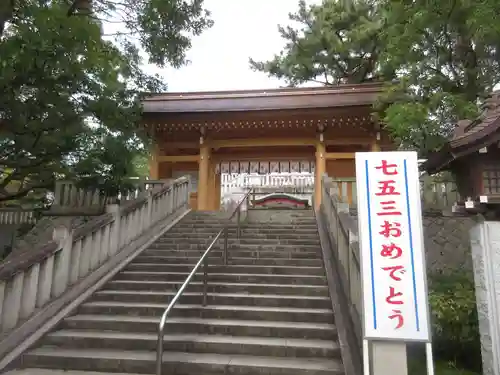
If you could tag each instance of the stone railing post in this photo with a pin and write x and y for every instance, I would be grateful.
(58, 193)
(11, 304)
(170, 203)
(64, 237)
(187, 191)
(147, 219)
(485, 244)
(114, 236)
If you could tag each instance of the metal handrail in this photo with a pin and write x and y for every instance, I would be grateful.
(203, 260)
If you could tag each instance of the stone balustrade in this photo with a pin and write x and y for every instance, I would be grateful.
(15, 216)
(341, 253)
(68, 194)
(34, 279)
(437, 194)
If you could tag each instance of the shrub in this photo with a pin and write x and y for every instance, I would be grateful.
(454, 320)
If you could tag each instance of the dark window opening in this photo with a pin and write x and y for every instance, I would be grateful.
(491, 179)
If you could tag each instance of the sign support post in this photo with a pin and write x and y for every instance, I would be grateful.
(394, 280)
(389, 357)
(429, 358)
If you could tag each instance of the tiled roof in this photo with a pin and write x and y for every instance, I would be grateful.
(470, 131)
(469, 136)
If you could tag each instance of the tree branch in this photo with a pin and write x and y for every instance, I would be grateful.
(6, 196)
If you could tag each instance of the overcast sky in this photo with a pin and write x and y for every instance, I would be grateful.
(219, 57)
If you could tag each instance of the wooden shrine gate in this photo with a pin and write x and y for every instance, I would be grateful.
(260, 132)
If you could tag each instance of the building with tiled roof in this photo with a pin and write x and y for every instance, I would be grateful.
(473, 156)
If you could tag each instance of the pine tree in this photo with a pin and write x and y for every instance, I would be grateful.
(443, 54)
(336, 42)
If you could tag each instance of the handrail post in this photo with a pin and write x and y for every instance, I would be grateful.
(238, 216)
(225, 244)
(205, 280)
(248, 201)
(159, 351)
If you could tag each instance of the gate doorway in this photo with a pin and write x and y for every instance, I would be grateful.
(266, 177)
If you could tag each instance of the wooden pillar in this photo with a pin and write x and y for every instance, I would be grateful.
(203, 177)
(211, 186)
(375, 145)
(166, 170)
(320, 170)
(154, 164)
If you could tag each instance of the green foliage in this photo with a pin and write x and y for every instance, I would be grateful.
(163, 28)
(418, 367)
(337, 42)
(446, 61)
(70, 98)
(455, 331)
(454, 321)
(444, 55)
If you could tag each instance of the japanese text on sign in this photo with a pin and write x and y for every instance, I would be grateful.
(390, 229)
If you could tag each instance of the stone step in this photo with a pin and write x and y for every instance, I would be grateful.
(251, 226)
(187, 241)
(213, 287)
(232, 268)
(43, 371)
(193, 343)
(177, 363)
(233, 260)
(197, 236)
(226, 299)
(261, 254)
(289, 314)
(255, 328)
(309, 225)
(219, 245)
(265, 230)
(200, 222)
(225, 277)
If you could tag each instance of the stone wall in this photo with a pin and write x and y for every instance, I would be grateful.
(447, 241)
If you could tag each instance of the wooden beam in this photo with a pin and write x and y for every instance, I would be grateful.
(339, 155)
(298, 156)
(178, 158)
(264, 142)
(267, 142)
(348, 141)
(177, 145)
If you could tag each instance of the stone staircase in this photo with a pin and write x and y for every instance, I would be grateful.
(268, 311)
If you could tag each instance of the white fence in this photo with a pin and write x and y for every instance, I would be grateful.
(234, 186)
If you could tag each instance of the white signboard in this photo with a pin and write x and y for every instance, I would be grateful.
(392, 250)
